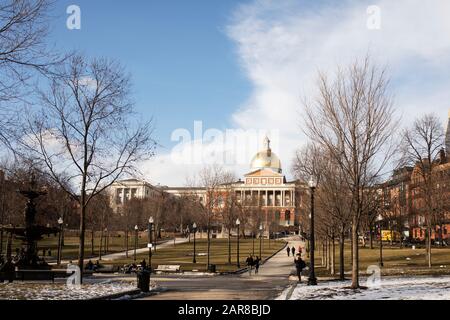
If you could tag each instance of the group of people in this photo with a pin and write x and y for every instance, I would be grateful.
(133, 267)
(253, 262)
(93, 267)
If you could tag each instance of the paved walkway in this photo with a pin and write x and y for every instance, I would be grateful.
(122, 255)
(268, 284)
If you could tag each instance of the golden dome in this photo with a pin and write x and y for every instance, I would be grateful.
(266, 160)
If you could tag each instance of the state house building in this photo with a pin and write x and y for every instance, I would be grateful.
(265, 188)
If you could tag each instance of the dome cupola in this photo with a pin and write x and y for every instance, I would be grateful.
(266, 159)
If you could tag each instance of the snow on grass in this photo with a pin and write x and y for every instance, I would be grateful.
(392, 288)
(60, 291)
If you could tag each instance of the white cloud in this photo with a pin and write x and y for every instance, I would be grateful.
(282, 44)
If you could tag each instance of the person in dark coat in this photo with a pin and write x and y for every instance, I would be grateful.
(300, 265)
(250, 262)
(144, 265)
(8, 269)
(288, 250)
(90, 266)
(257, 264)
(293, 251)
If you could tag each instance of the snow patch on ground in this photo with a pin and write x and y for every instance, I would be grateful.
(60, 291)
(392, 288)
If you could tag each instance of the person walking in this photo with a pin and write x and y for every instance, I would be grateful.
(257, 264)
(300, 265)
(288, 250)
(293, 251)
(250, 262)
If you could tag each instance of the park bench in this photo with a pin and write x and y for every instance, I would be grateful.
(107, 269)
(168, 268)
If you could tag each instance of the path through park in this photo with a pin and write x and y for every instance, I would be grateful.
(270, 283)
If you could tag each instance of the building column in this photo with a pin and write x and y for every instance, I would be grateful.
(267, 198)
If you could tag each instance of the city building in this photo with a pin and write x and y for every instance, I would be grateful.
(264, 192)
(447, 136)
(125, 190)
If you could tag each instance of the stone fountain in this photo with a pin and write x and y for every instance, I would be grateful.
(31, 233)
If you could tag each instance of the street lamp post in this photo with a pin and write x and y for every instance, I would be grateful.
(238, 223)
(106, 241)
(194, 229)
(150, 242)
(136, 229)
(60, 223)
(253, 242)
(312, 281)
(261, 228)
(380, 219)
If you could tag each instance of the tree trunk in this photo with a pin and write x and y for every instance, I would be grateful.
(92, 242)
(371, 238)
(329, 254)
(341, 257)
(229, 245)
(126, 243)
(351, 243)
(429, 247)
(82, 234)
(355, 252)
(101, 245)
(333, 256)
(208, 240)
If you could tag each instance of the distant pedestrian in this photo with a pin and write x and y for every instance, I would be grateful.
(299, 265)
(293, 251)
(288, 250)
(250, 262)
(257, 263)
(144, 265)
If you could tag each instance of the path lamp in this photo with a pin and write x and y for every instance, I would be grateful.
(253, 242)
(312, 281)
(194, 230)
(380, 219)
(151, 221)
(238, 223)
(60, 224)
(261, 228)
(136, 229)
(106, 241)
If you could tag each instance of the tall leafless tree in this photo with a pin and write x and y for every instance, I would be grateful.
(422, 144)
(353, 119)
(86, 131)
(23, 56)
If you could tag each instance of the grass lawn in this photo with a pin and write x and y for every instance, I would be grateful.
(182, 254)
(396, 261)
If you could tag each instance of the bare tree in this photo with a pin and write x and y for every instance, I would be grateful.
(352, 118)
(228, 207)
(23, 55)
(421, 148)
(212, 179)
(86, 131)
(332, 196)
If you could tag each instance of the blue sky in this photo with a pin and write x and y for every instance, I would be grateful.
(183, 65)
(246, 65)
